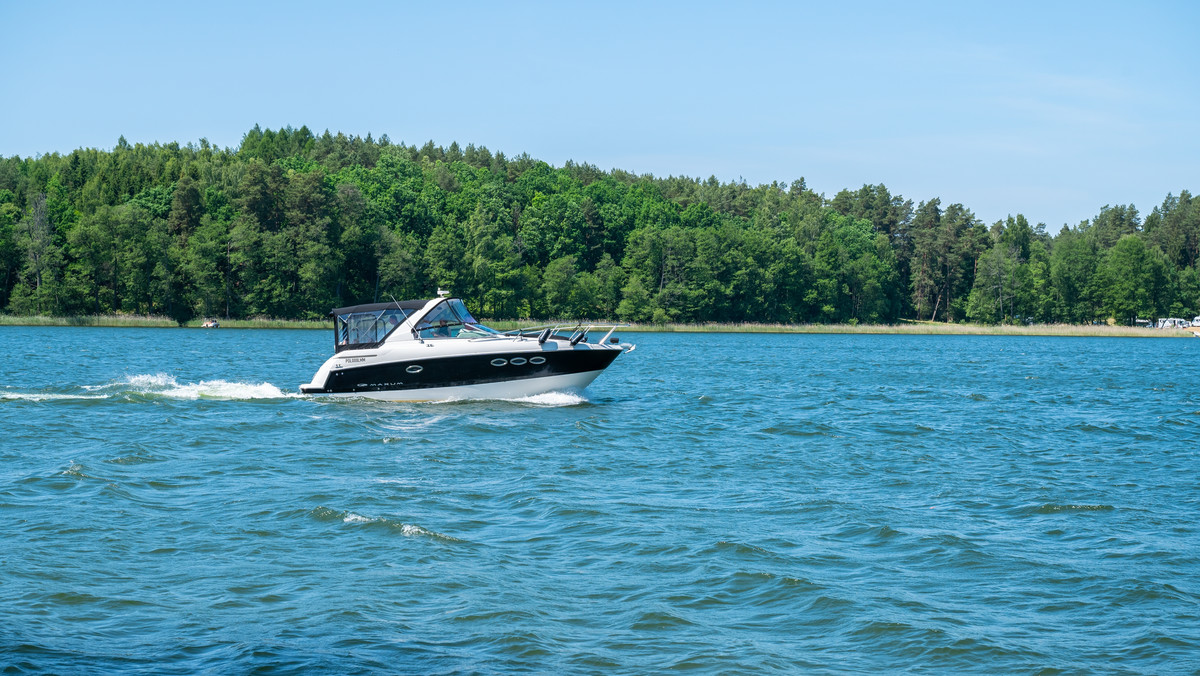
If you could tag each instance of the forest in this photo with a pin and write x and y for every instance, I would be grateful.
(291, 224)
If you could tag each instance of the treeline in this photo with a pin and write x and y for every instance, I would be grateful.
(291, 224)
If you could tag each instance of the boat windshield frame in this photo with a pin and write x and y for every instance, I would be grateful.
(451, 319)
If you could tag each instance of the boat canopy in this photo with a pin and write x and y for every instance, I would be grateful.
(361, 327)
(366, 326)
(412, 305)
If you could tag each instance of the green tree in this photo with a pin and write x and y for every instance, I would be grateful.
(10, 255)
(1072, 273)
(445, 261)
(91, 276)
(854, 271)
(1174, 227)
(636, 304)
(992, 295)
(38, 290)
(1132, 278)
(558, 286)
(926, 267)
(206, 265)
(399, 268)
(1113, 223)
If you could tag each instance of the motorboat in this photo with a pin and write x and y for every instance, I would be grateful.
(431, 350)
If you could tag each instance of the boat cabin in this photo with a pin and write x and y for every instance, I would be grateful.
(361, 327)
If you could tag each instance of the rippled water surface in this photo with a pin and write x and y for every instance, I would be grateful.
(713, 503)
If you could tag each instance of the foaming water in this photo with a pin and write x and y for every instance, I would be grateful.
(720, 504)
(45, 396)
(157, 385)
(161, 384)
(553, 399)
(546, 399)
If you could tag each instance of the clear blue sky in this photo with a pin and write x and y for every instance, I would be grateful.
(1051, 109)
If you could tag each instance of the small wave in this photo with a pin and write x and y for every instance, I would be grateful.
(412, 426)
(659, 621)
(136, 458)
(405, 529)
(1090, 428)
(1054, 509)
(804, 429)
(897, 431)
(871, 535)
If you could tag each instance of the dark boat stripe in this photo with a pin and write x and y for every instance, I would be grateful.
(463, 370)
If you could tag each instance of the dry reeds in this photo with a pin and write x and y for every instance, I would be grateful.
(903, 328)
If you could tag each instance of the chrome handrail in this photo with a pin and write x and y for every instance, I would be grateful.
(576, 326)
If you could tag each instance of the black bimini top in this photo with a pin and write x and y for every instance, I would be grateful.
(377, 307)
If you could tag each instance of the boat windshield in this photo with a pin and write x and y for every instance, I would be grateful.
(366, 329)
(450, 319)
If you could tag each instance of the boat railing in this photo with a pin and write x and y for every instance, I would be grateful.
(576, 332)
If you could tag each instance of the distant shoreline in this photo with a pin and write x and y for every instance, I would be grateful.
(903, 328)
(158, 322)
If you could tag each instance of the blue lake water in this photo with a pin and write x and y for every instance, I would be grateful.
(712, 503)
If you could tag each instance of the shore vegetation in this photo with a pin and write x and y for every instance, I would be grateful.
(291, 223)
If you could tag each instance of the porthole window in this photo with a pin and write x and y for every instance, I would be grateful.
(415, 369)
(517, 361)
(499, 362)
(537, 360)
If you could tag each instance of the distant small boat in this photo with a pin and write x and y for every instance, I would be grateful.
(210, 324)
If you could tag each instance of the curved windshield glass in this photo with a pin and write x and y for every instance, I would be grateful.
(461, 310)
(450, 319)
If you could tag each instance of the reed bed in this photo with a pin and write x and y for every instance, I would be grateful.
(159, 322)
(903, 328)
(929, 328)
(267, 323)
(138, 321)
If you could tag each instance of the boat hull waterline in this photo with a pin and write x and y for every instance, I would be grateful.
(504, 390)
(489, 375)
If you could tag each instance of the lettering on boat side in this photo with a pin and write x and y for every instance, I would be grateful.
(355, 360)
(376, 386)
